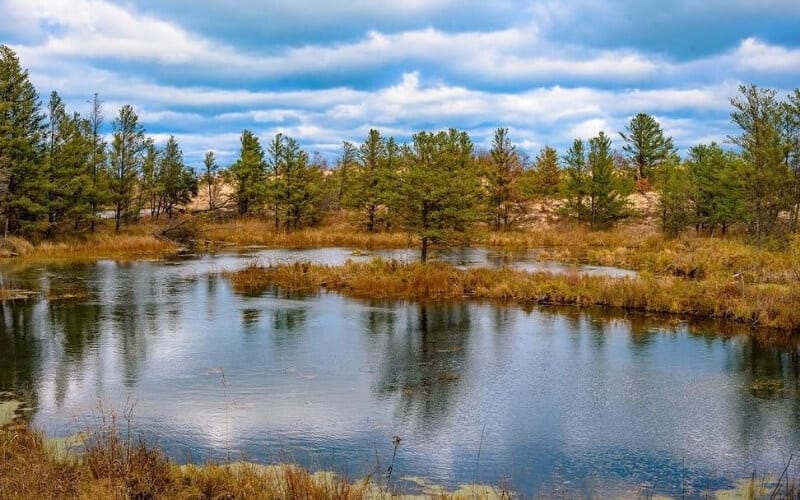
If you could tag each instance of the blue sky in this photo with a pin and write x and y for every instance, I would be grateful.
(324, 71)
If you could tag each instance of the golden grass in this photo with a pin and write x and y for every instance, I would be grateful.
(758, 304)
(111, 467)
(104, 246)
(261, 232)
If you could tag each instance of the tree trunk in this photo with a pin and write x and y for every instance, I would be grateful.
(371, 219)
(424, 255)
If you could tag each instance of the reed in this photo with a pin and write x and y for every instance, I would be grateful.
(261, 232)
(767, 305)
(111, 466)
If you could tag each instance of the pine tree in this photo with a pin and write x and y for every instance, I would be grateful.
(23, 181)
(301, 185)
(503, 173)
(209, 180)
(607, 194)
(345, 172)
(767, 179)
(99, 190)
(127, 154)
(150, 188)
(177, 179)
(438, 188)
(371, 178)
(715, 188)
(57, 115)
(792, 113)
(72, 176)
(646, 145)
(247, 174)
(546, 173)
(275, 182)
(677, 208)
(577, 185)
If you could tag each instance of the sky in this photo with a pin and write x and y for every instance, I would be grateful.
(323, 71)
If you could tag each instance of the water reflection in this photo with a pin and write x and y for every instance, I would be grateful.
(548, 394)
(423, 362)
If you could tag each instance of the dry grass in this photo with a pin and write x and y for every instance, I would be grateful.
(111, 467)
(103, 246)
(135, 241)
(261, 232)
(758, 304)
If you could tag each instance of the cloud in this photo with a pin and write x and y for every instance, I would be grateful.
(537, 67)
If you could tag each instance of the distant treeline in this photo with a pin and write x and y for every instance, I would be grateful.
(57, 171)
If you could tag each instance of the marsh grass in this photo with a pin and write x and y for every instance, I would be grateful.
(768, 305)
(111, 466)
(261, 232)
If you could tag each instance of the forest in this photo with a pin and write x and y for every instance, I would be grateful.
(61, 173)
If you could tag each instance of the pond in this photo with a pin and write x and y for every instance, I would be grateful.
(543, 399)
(463, 258)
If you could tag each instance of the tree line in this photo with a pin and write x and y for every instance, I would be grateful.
(56, 169)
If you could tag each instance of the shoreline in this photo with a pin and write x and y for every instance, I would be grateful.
(772, 308)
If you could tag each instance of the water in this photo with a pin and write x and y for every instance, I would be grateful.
(463, 258)
(554, 399)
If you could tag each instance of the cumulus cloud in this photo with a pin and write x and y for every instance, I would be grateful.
(399, 66)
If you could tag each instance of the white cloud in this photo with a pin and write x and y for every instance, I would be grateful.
(753, 54)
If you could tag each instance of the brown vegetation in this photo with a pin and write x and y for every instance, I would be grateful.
(113, 467)
(771, 305)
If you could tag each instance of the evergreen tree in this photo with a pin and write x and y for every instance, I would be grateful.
(607, 192)
(72, 175)
(57, 115)
(677, 209)
(98, 192)
(792, 115)
(546, 173)
(646, 145)
(127, 155)
(716, 191)
(178, 180)
(211, 168)
(503, 173)
(301, 186)
(371, 179)
(23, 183)
(247, 174)
(275, 181)
(438, 187)
(577, 185)
(766, 179)
(344, 172)
(150, 187)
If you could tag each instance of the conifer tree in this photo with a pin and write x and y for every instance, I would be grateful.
(275, 182)
(127, 155)
(371, 179)
(98, 192)
(546, 173)
(301, 186)
(248, 173)
(607, 192)
(503, 174)
(766, 179)
(577, 181)
(23, 185)
(178, 181)
(646, 146)
(438, 189)
(211, 168)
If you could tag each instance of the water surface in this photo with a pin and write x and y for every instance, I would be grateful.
(554, 399)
